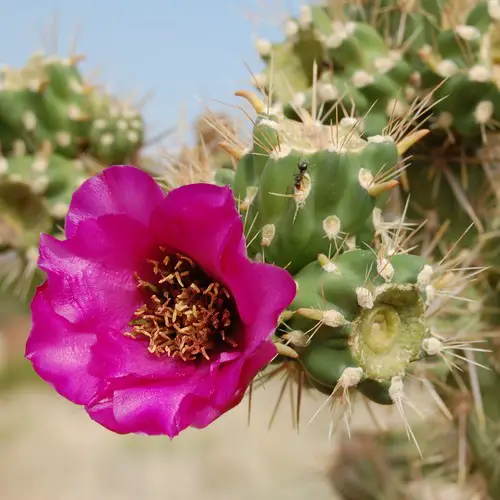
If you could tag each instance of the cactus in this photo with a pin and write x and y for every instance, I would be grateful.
(354, 65)
(48, 102)
(376, 466)
(358, 321)
(414, 60)
(372, 71)
(370, 326)
(55, 131)
(298, 182)
(351, 91)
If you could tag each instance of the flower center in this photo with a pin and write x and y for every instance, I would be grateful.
(188, 314)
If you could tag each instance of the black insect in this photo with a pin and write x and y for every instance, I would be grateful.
(300, 174)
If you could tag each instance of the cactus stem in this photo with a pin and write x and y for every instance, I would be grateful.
(382, 187)
(232, 151)
(256, 103)
(405, 144)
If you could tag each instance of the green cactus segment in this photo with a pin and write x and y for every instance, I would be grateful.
(469, 99)
(23, 216)
(366, 314)
(294, 214)
(48, 101)
(224, 177)
(51, 177)
(117, 130)
(354, 64)
(250, 167)
(55, 131)
(383, 56)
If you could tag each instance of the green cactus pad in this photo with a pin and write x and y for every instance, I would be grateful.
(366, 315)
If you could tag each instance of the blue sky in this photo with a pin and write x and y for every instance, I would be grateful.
(180, 49)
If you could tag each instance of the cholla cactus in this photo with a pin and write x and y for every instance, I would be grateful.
(359, 321)
(417, 60)
(368, 312)
(385, 466)
(396, 63)
(55, 131)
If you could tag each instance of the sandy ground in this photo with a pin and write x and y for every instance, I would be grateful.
(51, 450)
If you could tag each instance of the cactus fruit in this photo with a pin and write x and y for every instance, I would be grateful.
(55, 131)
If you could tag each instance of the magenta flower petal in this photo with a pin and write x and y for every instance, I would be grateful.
(234, 378)
(132, 254)
(202, 213)
(60, 352)
(169, 408)
(91, 275)
(121, 360)
(121, 190)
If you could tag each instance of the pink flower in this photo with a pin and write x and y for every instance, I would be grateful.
(152, 317)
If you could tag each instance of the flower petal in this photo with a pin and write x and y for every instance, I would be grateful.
(151, 408)
(262, 292)
(231, 380)
(91, 276)
(201, 221)
(120, 360)
(124, 190)
(168, 408)
(60, 352)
